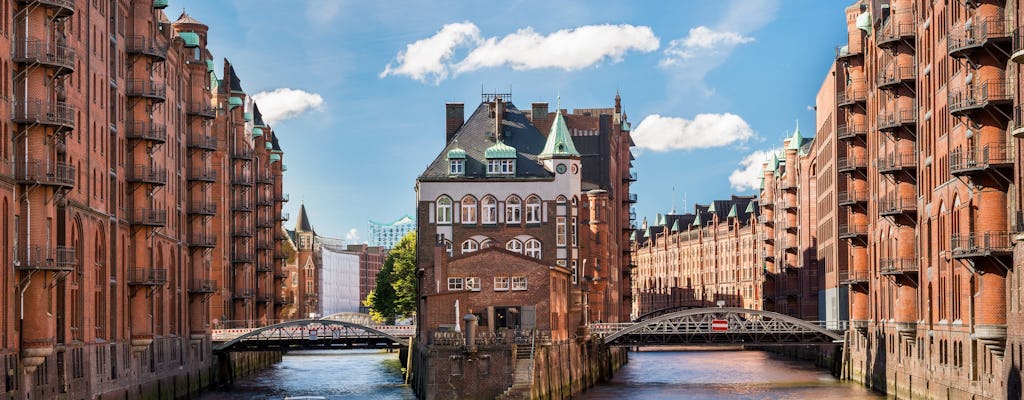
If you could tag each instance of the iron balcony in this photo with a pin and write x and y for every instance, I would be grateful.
(203, 240)
(264, 179)
(149, 131)
(992, 93)
(141, 45)
(264, 245)
(147, 89)
(847, 164)
(849, 97)
(243, 293)
(202, 207)
(851, 50)
(632, 198)
(242, 231)
(264, 223)
(60, 175)
(850, 231)
(147, 174)
(44, 112)
(149, 217)
(203, 142)
(241, 180)
(1017, 49)
(851, 197)
(46, 258)
(147, 276)
(63, 8)
(853, 277)
(202, 109)
(849, 131)
(896, 73)
(987, 158)
(897, 266)
(963, 40)
(893, 31)
(241, 206)
(264, 200)
(264, 266)
(279, 255)
(242, 154)
(242, 257)
(893, 206)
(59, 57)
(202, 174)
(897, 162)
(283, 216)
(985, 244)
(263, 297)
(282, 198)
(203, 286)
(899, 118)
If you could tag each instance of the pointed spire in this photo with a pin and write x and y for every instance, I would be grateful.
(559, 142)
(675, 226)
(696, 220)
(732, 212)
(796, 140)
(750, 207)
(302, 222)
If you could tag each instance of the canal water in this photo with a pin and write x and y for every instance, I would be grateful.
(370, 374)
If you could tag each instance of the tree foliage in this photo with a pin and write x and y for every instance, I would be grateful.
(395, 293)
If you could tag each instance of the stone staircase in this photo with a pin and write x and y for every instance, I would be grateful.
(522, 379)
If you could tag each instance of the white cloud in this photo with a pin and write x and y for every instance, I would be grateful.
(567, 49)
(323, 12)
(428, 58)
(352, 236)
(431, 59)
(702, 42)
(284, 103)
(747, 176)
(660, 133)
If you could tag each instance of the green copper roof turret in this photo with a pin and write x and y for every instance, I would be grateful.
(711, 208)
(675, 226)
(269, 146)
(257, 132)
(275, 158)
(209, 65)
(632, 236)
(659, 220)
(647, 233)
(732, 212)
(500, 150)
(234, 101)
(191, 38)
(247, 116)
(284, 167)
(456, 153)
(796, 141)
(559, 143)
(696, 220)
(750, 207)
(160, 4)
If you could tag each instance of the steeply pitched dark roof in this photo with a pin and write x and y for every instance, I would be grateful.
(231, 78)
(302, 222)
(477, 134)
(257, 115)
(273, 142)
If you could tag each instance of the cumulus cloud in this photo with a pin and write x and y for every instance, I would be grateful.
(432, 59)
(701, 41)
(427, 59)
(352, 236)
(704, 131)
(747, 176)
(284, 103)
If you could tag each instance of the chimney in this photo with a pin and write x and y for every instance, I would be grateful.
(455, 116)
(540, 113)
(499, 115)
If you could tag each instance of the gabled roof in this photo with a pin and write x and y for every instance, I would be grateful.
(477, 135)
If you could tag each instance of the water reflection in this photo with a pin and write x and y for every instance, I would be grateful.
(349, 374)
(723, 375)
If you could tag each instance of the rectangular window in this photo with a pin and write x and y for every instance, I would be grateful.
(560, 231)
(575, 279)
(457, 167)
(500, 283)
(493, 166)
(501, 167)
(454, 284)
(508, 166)
(473, 284)
(518, 283)
(574, 242)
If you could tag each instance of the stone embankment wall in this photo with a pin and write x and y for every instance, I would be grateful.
(564, 370)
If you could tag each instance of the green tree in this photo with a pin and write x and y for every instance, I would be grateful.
(395, 293)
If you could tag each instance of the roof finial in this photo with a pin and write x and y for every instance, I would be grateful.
(558, 103)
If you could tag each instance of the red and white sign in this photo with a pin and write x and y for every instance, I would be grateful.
(719, 325)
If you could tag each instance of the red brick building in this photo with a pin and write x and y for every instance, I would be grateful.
(121, 155)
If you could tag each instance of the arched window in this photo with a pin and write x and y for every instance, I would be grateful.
(486, 243)
(468, 210)
(489, 210)
(513, 210)
(533, 248)
(448, 247)
(560, 199)
(533, 210)
(469, 246)
(514, 246)
(444, 210)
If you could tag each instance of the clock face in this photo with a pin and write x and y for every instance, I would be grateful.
(560, 168)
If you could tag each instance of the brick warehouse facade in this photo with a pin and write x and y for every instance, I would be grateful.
(522, 230)
(141, 196)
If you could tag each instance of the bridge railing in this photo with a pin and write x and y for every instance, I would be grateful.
(607, 328)
(230, 331)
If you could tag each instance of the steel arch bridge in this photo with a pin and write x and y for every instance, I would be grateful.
(311, 334)
(721, 326)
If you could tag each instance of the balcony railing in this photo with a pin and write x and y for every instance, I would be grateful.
(241, 206)
(632, 198)
(847, 131)
(896, 29)
(285, 216)
(203, 142)
(138, 44)
(962, 39)
(148, 89)
(964, 100)
(64, 8)
(263, 297)
(630, 177)
(853, 277)
(848, 50)
(985, 244)
(203, 286)
(149, 217)
(56, 258)
(55, 173)
(264, 266)
(264, 201)
(148, 174)
(851, 96)
(241, 180)
(202, 109)
(43, 112)
(143, 130)
(264, 179)
(891, 206)
(279, 255)
(844, 164)
(977, 159)
(897, 266)
(895, 74)
(897, 119)
(1017, 54)
(35, 51)
(849, 231)
(203, 240)
(896, 162)
(243, 293)
(202, 207)
(242, 231)
(147, 276)
(242, 154)
(264, 223)
(851, 197)
(283, 197)
(202, 174)
(242, 256)
(264, 245)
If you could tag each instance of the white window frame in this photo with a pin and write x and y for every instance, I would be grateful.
(489, 211)
(444, 210)
(513, 210)
(473, 284)
(532, 248)
(457, 167)
(560, 232)
(455, 284)
(575, 232)
(519, 283)
(468, 206)
(501, 284)
(470, 246)
(449, 247)
(533, 209)
(515, 246)
(508, 166)
(575, 273)
(493, 166)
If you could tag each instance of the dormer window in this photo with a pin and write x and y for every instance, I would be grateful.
(501, 167)
(456, 161)
(501, 159)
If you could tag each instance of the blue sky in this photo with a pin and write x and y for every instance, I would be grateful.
(361, 86)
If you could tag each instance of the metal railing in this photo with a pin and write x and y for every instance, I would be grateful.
(242, 256)
(963, 38)
(46, 112)
(67, 6)
(895, 162)
(895, 29)
(973, 97)
(896, 205)
(145, 130)
(897, 266)
(203, 240)
(147, 276)
(962, 162)
(849, 197)
(202, 174)
(243, 293)
(242, 154)
(852, 49)
(847, 131)
(852, 230)
(850, 96)
(138, 44)
(897, 118)
(242, 180)
(202, 207)
(55, 258)
(203, 286)
(53, 173)
(147, 174)
(203, 109)
(146, 88)
(981, 244)
(853, 277)
(895, 73)
(36, 51)
(242, 231)
(205, 142)
(149, 217)
(851, 163)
